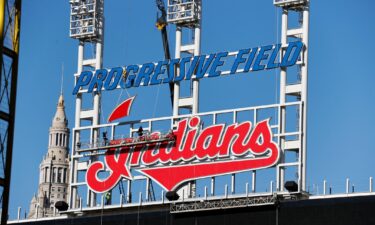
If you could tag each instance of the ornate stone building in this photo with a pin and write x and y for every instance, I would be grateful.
(54, 168)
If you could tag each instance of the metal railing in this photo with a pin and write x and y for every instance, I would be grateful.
(206, 201)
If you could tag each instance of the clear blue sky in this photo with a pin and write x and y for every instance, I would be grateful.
(341, 75)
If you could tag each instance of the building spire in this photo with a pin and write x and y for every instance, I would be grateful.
(60, 120)
(54, 168)
(60, 113)
(62, 78)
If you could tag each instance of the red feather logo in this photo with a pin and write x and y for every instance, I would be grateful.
(121, 110)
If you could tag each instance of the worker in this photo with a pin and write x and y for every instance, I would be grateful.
(105, 139)
(108, 198)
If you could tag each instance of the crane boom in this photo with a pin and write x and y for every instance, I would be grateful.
(161, 24)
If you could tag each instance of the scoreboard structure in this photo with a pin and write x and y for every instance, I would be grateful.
(180, 158)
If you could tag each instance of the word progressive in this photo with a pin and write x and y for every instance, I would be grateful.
(250, 59)
(196, 153)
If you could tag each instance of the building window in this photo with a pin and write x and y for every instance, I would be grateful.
(48, 176)
(53, 189)
(59, 176)
(65, 176)
(53, 174)
(58, 189)
(58, 195)
(45, 174)
(52, 196)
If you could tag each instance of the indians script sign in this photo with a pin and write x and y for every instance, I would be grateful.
(192, 154)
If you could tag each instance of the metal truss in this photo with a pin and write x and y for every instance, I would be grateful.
(81, 154)
(86, 25)
(186, 15)
(294, 90)
(223, 203)
(10, 16)
(86, 19)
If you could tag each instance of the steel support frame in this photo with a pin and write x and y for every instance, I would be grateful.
(10, 22)
(191, 102)
(300, 91)
(91, 115)
(86, 150)
(224, 203)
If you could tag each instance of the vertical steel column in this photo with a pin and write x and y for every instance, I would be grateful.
(76, 138)
(197, 51)
(298, 90)
(194, 23)
(176, 95)
(284, 29)
(9, 74)
(304, 82)
(3, 180)
(193, 48)
(96, 112)
(212, 192)
(95, 38)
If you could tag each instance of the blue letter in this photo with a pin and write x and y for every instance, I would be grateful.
(203, 65)
(217, 62)
(97, 80)
(239, 60)
(172, 70)
(182, 69)
(130, 77)
(250, 59)
(83, 80)
(271, 63)
(145, 72)
(261, 56)
(117, 73)
(298, 47)
(158, 70)
(193, 64)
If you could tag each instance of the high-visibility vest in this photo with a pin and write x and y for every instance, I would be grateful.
(108, 195)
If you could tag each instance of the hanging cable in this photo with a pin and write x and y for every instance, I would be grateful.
(124, 76)
(156, 101)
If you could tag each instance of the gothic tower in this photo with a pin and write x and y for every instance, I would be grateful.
(54, 168)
